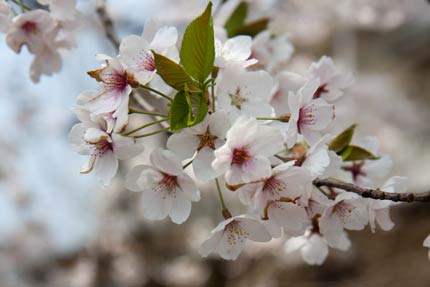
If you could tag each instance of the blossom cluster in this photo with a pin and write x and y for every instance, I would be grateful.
(236, 118)
(44, 30)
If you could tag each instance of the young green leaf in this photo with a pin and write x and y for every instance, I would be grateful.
(236, 19)
(197, 49)
(352, 153)
(172, 73)
(179, 112)
(199, 106)
(342, 140)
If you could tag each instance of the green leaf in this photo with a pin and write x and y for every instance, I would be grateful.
(179, 112)
(198, 50)
(172, 73)
(253, 28)
(199, 107)
(187, 109)
(352, 153)
(342, 140)
(236, 19)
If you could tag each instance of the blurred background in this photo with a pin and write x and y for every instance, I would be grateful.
(59, 228)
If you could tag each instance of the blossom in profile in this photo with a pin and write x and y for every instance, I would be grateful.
(332, 82)
(308, 116)
(105, 149)
(135, 51)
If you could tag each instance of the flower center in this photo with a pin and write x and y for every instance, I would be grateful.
(306, 117)
(240, 156)
(115, 81)
(235, 233)
(147, 61)
(168, 184)
(236, 99)
(321, 89)
(206, 139)
(29, 27)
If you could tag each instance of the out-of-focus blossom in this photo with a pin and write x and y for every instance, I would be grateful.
(5, 16)
(235, 51)
(332, 82)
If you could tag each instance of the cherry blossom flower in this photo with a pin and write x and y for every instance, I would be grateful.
(308, 116)
(366, 173)
(167, 189)
(201, 140)
(379, 209)
(135, 51)
(235, 51)
(30, 29)
(347, 211)
(115, 90)
(5, 16)
(240, 92)
(90, 138)
(313, 245)
(332, 82)
(244, 156)
(229, 237)
(426, 243)
(279, 199)
(270, 50)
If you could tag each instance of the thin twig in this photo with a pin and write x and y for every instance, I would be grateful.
(107, 24)
(374, 193)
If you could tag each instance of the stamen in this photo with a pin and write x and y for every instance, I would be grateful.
(240, 156)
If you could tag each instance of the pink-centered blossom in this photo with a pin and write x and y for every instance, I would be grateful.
(332, 82)
(135, 51)
(5, 16)
(166, 189)
(308, 116)
(245, 155)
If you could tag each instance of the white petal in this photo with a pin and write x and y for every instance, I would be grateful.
(202, 164)
(164, 38)
(183, 144)
(211, 244)
(106, 166)
(188, 187)
(180, 209)
(156, 206)
(166, 161)
(315, 251)
(269, 141)
(256, 230)
(125, 147)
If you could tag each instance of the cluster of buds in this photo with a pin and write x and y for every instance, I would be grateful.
(45, 30)
(235, 120)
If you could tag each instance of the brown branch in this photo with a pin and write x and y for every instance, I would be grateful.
(107, 24)
(374, 193)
